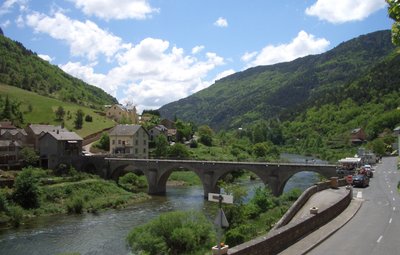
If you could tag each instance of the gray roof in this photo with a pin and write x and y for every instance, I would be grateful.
(125, 129)
(13, 131)
(38, 128)
(64, 136)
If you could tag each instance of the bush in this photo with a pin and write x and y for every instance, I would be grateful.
(3, 202)
(104, 142)
(26, 189)
(173, 233)
(132, 182)
(178, 150)
(16, 214)
(75, 204)
(88, 118)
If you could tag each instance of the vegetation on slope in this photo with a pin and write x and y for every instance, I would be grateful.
(282, 90)
(22, 68)
(41, 109)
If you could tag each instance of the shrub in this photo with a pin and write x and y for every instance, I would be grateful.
(26, 189)
(16, 214)
(75, 204)
(3, 202)
(132, 182)
(173, 233)
(88, 118)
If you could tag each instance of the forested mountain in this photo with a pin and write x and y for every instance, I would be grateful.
(354, 69)
(22, 68)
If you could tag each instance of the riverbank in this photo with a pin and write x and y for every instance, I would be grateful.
(74, 193)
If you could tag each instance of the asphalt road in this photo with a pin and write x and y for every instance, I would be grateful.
(375, 229)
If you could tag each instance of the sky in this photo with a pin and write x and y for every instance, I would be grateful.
(152, 52)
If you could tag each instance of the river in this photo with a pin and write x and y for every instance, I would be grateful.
(105, 232)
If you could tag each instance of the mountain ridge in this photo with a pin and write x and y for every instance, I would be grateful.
(281, 90)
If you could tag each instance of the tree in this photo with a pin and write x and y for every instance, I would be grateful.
(79, 119)
(60, 113)
(104, 142)
(394, 13)
(7, 114)
(178, 150)
(26, 189)
(29, 156)
(161, 146)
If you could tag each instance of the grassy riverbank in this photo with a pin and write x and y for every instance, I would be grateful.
(72, 193)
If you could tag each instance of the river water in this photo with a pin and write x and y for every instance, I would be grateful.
(105, 233)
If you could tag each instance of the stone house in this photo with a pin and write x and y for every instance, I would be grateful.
(35, 131)
(158, 130)
(9, 153)
(56, 146)
(132, 140)
(118, 113)
(358, 136)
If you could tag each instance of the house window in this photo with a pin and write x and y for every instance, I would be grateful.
(144, 150)
(136, 151)
(113, 142)
(119, 141)
(123, 142)
(144, 142)
(136, 142)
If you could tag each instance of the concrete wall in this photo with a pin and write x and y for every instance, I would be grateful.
(282, 237)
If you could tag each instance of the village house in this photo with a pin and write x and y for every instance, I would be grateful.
(12, 140)
(132, 140)
(56, 145)
(158, 130)
(120, 113)
(35, 131)
(358, 136)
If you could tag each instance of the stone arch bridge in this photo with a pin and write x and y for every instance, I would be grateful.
(157, 171)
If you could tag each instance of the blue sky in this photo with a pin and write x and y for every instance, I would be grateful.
(152, 52)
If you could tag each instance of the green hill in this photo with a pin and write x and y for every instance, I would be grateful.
(283, 91)
(40, 109)
(22, 68)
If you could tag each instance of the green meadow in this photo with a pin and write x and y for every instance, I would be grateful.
(39, 109)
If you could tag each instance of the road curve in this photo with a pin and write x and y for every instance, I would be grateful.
(375, 229)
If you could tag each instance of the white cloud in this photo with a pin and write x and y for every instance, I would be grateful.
(122, 9)
(197, 49)
(304, 44)
(341, 11)
(248, 56)
(9, 4)
(20, 21)
(151, 73)
(5, 24)
(84, 38)
(45, 57)
(221, 22)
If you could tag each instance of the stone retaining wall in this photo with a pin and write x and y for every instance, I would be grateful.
(283, 234)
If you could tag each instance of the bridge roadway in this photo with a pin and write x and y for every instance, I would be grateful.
(157, 171)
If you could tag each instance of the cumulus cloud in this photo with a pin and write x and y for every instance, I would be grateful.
(341, 11)
(109, 9)
(221, 22)
(151, 73)
(5, 24)
(197, 49)
(45, 57)
(84, 38)
(304, 44)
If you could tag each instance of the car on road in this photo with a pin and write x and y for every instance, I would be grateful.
(360, 180)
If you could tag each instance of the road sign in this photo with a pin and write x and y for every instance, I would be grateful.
(214, 197)
(221, 220)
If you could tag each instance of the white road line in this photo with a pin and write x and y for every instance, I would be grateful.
(359, 194)
(390, 221)
(391, 192)
(379, 239)
(394, 208)
(394, 199)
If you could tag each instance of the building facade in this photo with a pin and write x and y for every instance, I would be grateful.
(120, 113)
(129, 140)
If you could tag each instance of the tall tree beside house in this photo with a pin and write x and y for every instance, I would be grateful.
(394, 13)
(10, 110)
(161, 146)
(79, 119)
(60, 113)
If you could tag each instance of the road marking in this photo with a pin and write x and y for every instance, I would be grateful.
(391, 192)
(379, 239)
(394, 208)
(359, 194)
(390, 221)
(394, 199)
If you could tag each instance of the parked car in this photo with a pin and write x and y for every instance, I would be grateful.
(367, 170)
(360, 180)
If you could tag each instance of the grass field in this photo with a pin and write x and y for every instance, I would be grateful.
(43, 109)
